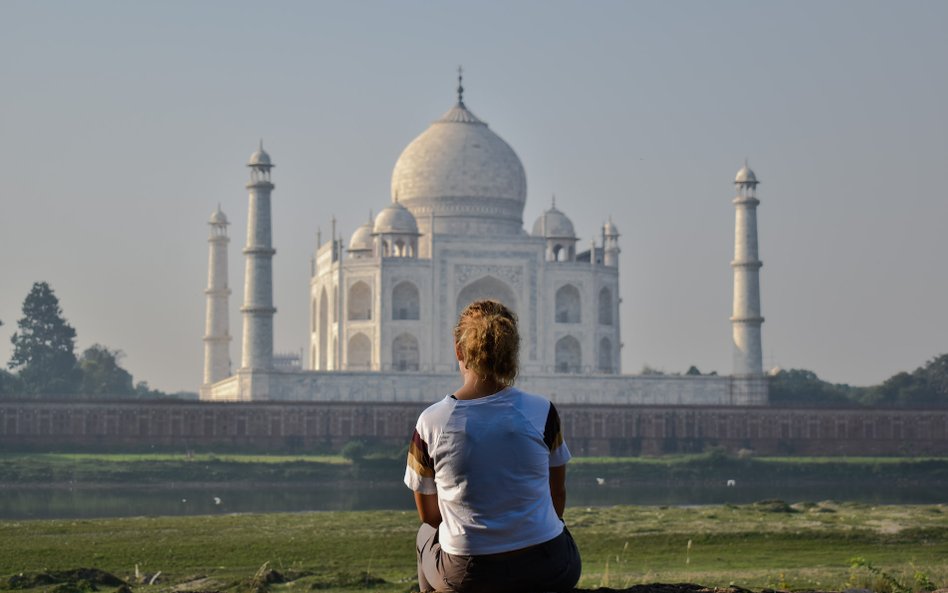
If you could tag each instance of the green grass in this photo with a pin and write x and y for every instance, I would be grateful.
(144, 468)
(754, 546)
(688, 458)
(196, 457)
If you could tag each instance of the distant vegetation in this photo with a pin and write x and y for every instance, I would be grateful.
(44, 361)
(44, 364)
(926, 386)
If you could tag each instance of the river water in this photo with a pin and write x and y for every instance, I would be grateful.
(128, 501)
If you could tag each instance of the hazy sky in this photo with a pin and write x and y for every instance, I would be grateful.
(123, 124)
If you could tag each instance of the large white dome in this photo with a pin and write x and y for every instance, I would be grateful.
(463, 173)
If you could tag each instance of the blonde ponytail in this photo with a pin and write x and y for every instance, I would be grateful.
(488, 340)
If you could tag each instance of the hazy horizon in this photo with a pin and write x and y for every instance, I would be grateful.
(125, 124)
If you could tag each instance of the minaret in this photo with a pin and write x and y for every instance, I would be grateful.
(746, 318)
(610, 244)
(258, 307)
(217, 326)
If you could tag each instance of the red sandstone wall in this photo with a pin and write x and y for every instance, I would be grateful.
(590, 430)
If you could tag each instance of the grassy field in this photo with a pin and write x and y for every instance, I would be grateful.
(765, 545)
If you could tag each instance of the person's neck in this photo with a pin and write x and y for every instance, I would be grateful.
(476, 387)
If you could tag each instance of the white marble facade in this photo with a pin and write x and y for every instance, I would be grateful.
(383, 302)
(387, 299)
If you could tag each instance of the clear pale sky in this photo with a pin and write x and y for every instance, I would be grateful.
(124, 124)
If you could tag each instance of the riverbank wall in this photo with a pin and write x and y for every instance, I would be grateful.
(590, 430)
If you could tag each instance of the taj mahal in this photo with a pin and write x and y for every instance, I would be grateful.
(383, 304)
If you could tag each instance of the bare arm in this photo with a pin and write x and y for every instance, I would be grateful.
(558, 489)
(428, 510)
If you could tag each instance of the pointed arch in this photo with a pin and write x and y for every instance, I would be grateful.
(405, 353)
(605, 306)
(568, 304)
(605, 356)
(359, 354)
(322, 341)
(568, 355)
(487, 287)
(359, 302)
(406, 302)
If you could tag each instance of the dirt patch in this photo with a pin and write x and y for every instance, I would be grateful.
(669, 588)
(76, 580)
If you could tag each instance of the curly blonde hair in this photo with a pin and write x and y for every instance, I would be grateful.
(487, 337)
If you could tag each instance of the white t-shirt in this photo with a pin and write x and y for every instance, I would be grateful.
(488, 460)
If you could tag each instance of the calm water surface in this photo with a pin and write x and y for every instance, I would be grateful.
(129, 501)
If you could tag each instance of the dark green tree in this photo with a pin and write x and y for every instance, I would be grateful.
(102, 375)
(44, 346)
(935, 374)
(925, 386)
(9, 384)
(693, 371)
(800, 387)
(144, 391)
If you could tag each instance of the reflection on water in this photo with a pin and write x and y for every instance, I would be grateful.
(127, 501)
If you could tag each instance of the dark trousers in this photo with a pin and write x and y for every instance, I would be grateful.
(552, 566)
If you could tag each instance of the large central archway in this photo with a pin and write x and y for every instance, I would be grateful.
(487, 287)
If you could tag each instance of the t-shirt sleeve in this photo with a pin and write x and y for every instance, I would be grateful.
(419, 473)
(553, 437)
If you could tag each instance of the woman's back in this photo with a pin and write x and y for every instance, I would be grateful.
(487, 465)
(490, 459)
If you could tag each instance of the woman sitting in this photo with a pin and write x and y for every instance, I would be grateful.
(488, 468)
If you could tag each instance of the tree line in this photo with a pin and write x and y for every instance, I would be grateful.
(926, 386)
(44, 361)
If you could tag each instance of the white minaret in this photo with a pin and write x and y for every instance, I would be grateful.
(610, 244)
(217, 326)
(258, 310)
(746, 318)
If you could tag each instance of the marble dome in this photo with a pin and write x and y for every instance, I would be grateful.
(609, 229)
(553, 224)
(745, 175)
(464, 174)
(260, 158)
(361, 239)
(218, 217)
(395, 218)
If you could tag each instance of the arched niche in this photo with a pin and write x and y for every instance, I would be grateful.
(605, 306)
(487, 287)
(569, 357)
(568, 304)
(405, 353)
(605, 356)
(360, 302)
(322, 342)
(359, 354)
(406, 302)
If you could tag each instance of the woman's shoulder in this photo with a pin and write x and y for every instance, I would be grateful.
(437, 411)
(531, 401)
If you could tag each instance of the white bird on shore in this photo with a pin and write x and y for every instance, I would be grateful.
(600, 481)
(217, 500)
(731, 483)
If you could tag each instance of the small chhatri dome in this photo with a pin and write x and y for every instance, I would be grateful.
(553, 224)
(745, 175)
(362, 238)
(260, 158)
(395, 218)
(218, 217)
(609, 229)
